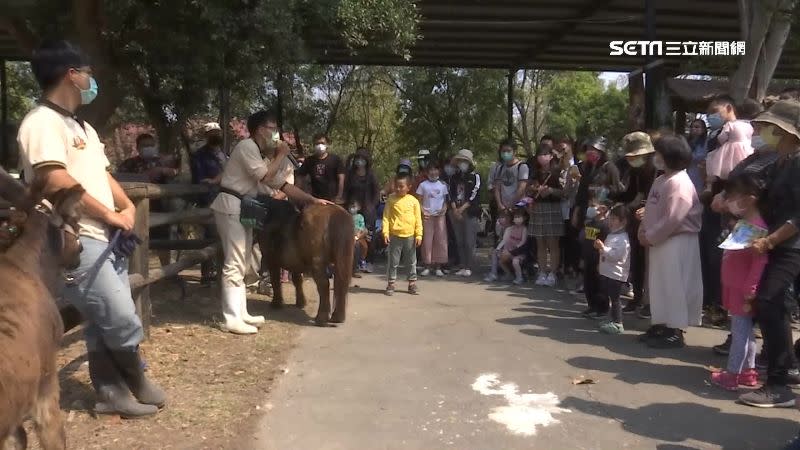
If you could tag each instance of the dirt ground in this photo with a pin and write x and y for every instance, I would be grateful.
(217, 382)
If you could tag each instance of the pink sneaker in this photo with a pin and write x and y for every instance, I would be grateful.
(748, 378)
(725, 380)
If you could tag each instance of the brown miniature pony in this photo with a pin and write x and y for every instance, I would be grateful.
(31, 272)
(312, 242)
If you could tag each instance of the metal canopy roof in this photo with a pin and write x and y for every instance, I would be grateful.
(551, 34)
(545, 34)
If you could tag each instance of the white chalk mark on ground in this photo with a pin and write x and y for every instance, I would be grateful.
(524, 412)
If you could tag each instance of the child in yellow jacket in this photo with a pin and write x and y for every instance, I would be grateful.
(402, 232)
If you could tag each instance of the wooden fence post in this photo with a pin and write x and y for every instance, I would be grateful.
(140, 261)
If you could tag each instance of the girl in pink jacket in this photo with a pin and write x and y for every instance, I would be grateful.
(741, 273)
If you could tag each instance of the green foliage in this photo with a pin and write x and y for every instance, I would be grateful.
(22, 90)
(580, 106)
(445, 110)
(390, 23)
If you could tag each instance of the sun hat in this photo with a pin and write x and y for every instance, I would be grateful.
(785, 114)
(598, 143)
(423, 153)
(466, 155)
(211, 126)
(637, 144)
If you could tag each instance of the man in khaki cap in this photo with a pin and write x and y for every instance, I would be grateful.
(639, 154)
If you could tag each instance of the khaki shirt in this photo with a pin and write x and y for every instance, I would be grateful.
(47, 137)
(242, 173)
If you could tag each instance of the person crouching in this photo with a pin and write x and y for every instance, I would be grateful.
(402, 233)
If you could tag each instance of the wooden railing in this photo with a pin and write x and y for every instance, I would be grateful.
(140, 275)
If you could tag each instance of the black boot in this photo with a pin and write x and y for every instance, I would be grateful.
(113, 394)
(132, 369)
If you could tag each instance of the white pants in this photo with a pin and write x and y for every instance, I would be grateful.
(237, 246)
(675, 283)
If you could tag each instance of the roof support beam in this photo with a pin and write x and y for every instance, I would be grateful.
(588, 10)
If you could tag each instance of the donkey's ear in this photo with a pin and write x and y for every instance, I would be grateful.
(14, 192)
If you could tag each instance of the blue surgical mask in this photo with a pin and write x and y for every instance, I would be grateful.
(507, 156)
(591, 212)
(360, 163)
(88, 95)
(758, 142)
(714, 121)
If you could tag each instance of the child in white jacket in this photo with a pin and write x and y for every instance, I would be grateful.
(614, 267)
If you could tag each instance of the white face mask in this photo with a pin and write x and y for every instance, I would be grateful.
(353, 210)
(320, 148)
(519, 220)
(758, 142)
(463, 167)
(591, 212)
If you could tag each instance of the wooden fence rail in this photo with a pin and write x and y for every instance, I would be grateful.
(140, 275)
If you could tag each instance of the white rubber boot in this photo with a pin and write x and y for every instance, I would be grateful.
(232, 299)
(246, 317)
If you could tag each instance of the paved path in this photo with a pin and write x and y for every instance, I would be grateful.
(401, 374)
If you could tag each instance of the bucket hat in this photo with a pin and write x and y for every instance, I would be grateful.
(637, 144)
(466, 155)
(598, 142)
(785, 114)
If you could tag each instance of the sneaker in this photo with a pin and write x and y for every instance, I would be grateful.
(654, 331)
(749, 378)
(769, 396)
(630, 308)
(793, 377)
(518, 281)
(413, 289)
(491, 278)
(439, 273)
(460, 273)
(466, 273)
(629, 292)
(724, 348)
(541, 280)
(670, 339)
(425, 273)
(550, 281)
(725, 380)
(644, 312)
(612, 328)
(368, 268)
(390, 290)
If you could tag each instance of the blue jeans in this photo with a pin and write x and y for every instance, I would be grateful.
(104, 299)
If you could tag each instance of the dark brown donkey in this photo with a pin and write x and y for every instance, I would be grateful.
(31, 271)
(312, 242)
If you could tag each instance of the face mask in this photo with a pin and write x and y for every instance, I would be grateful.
(714, 121)
(544, 160)
(353, 210)
(320, 148)
(593, 156)
(758, 142)
(434, 178)
(519, 220)
(768, 136)
(636, 162)
(734, 208)
(88, 95)
(591, 212)
(449, 170)
(148, 152)
(507, 156)
(360, 163)
(659, 163)
(463, 167)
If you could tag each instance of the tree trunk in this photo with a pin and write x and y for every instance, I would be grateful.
(86, 17)
(773, 48)
(743, 77)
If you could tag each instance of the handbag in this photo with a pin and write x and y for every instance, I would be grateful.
(252, 211)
